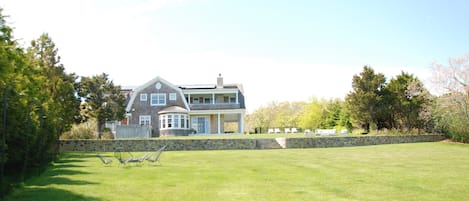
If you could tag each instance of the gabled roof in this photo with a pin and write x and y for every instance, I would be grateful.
(151, 82)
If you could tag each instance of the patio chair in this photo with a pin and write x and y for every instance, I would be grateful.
(105, 160)
(155, 157)
(123, 157)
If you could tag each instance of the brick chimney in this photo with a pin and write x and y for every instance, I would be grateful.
(219, 81)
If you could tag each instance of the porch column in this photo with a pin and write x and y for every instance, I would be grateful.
(241, 123)
(219, 123)
(237, 98)
(213, 101)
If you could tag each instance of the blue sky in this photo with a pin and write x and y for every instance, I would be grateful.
(279, 50)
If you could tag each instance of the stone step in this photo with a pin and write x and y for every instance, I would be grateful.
(276, 143)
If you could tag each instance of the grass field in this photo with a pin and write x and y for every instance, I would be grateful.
(420, 171)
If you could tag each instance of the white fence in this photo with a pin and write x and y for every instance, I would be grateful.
(133, 131)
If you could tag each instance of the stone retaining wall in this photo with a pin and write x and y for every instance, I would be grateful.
(243, 143)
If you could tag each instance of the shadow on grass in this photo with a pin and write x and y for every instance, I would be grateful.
(62, 161)
(39, 194)
(67, 165)
(38, 187)
(71, 157)
(59, 181)
(63, 171)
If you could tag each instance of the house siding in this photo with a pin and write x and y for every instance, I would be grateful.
(213, 123)
(145, 107)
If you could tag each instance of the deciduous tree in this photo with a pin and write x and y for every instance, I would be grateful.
(104, 99)
(452, 82)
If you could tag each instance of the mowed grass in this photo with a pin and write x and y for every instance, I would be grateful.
(420, 171)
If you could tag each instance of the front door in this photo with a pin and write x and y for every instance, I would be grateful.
(200, 124)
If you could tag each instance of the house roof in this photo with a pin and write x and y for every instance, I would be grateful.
(198, 86)
(173, 109)
(151, 82)
(211, 87)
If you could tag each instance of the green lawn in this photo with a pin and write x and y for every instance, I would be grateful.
(420, 171)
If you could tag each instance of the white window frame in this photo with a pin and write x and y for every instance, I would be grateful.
(176, 121)
(170, 121)
(143, 97)
(182, 122)
(160, 99)
(172, 96)
(165, 121)
(144, 119)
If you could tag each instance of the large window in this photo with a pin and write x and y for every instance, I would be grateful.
(144, 120)
(158, 99)
(174, 121)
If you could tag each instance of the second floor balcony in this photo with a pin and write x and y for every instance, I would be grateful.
(213, 101)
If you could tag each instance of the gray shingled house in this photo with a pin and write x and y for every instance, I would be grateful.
(173, 110)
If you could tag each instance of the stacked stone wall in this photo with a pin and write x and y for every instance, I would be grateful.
(242, 143)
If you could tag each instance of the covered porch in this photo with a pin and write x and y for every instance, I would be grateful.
(217, 122)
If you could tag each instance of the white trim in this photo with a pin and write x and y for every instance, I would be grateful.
(144, 118)
(182, 117)
(207, 112)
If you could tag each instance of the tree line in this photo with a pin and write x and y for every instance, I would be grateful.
(400, 105)
(40, 101)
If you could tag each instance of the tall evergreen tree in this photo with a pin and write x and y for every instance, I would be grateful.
(408, 102)
(364, 100)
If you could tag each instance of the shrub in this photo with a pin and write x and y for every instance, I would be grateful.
(86, 130)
